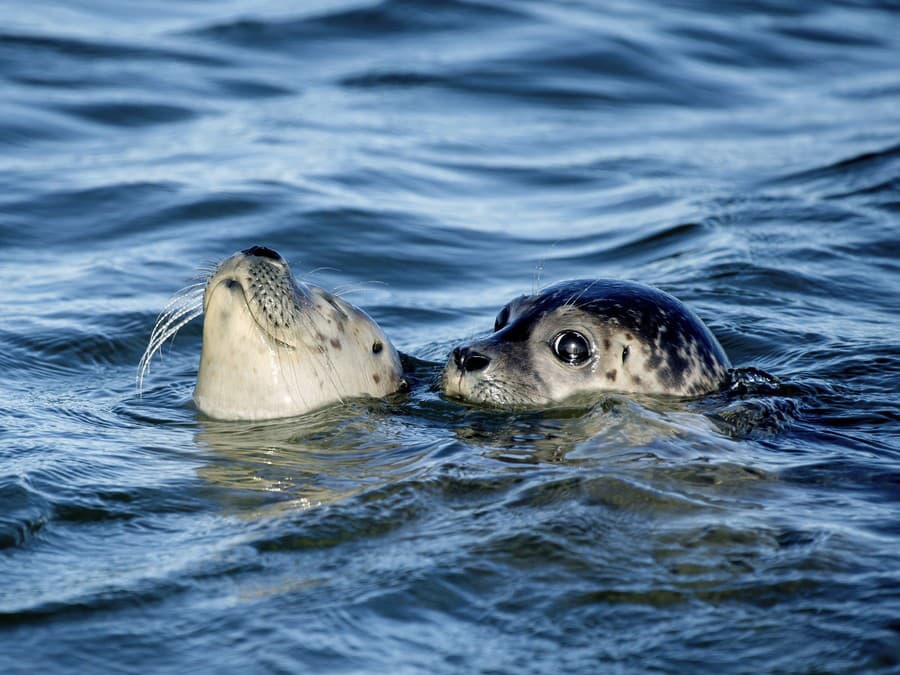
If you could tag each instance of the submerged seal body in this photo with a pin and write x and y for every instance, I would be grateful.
(585, 336)
(276, 347)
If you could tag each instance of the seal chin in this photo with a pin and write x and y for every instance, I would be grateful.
(452, 383)
(239, 365)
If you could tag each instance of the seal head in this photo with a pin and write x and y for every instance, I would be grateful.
(586, 336)
(276, 347)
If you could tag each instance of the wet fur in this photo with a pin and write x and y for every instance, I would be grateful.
(274, 346)
(643, 341)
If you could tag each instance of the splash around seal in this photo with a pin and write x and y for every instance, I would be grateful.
(277, 347)
(585, 336)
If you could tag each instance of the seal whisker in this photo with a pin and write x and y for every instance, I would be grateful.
(208, 264)
(164, 328)
(341, 291)
(159, 336)
(315, 271)
(185, 299)
(188, 294)
(576, 297)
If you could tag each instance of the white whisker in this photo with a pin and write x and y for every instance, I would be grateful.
(575, 298)
(315, 271)
(183, 308)
(183, 300)
(185, 295)
(157, 344)
(341, 291)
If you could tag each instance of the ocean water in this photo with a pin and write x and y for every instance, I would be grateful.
(434, 159)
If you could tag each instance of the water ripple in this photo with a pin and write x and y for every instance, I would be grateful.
(436, 159)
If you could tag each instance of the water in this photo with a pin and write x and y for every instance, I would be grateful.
(437, 159)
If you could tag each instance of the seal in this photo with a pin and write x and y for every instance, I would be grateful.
(586, 336)
(274, 346)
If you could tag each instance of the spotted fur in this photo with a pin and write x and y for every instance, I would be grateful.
(276, 347)
(641, 340)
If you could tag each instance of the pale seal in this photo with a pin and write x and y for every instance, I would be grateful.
(274, 346)
(586, 336)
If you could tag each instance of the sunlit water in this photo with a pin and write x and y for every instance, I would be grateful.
(436, 159)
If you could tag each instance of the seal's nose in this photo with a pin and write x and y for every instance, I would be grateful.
(469, 360)
(263, 252)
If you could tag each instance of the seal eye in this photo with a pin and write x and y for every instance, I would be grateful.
(571, 347)
(377, 347)
(502, 319)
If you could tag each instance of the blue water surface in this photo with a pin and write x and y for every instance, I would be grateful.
(434, 159)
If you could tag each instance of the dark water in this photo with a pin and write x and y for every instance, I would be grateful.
(440, 158)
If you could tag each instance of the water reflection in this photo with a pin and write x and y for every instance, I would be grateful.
(308, 461)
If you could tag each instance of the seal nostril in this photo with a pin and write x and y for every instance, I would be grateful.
(457, 357)
(470, 361)
(262, 252)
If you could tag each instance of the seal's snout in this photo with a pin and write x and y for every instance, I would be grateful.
(263, 252)
(470, 361)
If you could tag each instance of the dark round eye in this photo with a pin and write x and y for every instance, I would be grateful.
(502, 319)
(571, 347)
(377, 347)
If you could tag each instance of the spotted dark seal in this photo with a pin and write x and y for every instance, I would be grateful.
(585, 336)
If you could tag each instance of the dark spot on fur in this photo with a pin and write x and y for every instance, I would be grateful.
(611, 375)
(636, 379)
(376, 378)
(606, 343)
(629, 336)
(668, 378)
(335, 343)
